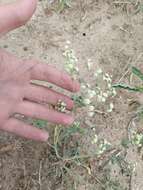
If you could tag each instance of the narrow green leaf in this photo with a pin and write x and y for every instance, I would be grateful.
(137, 72)
(138, 89)
(127, 87)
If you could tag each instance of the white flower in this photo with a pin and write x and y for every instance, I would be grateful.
(70, 66)
(91, 93)
(66, 46)
(90, 114)
(109, 85)
(71, 61)
(114, 92)
(68, 42)
(107, 75)
(68, 70)
(105, 95)
(89, 64)
(107, 78)
(83, 86)
(95, 140)
(99, 98)
(95, 74)
(106, 142)
(99, 71)
(77, 69)
(103, 99)
(86, 101)
(111, 107)
(91, 108)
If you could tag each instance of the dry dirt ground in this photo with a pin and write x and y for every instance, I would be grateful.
(111, 35)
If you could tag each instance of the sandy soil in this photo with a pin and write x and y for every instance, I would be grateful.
(111, 36)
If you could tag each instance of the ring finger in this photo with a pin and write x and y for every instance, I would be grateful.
(38, 111)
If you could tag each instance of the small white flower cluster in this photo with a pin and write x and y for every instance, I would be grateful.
(98, 72)
(95, 140)
(61, 106)
(137, 139)
(91, 111)
(102, 145)
(109, 91)
(88, 95)
(71, 61)
(102, 91)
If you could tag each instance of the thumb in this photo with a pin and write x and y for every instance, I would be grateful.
(16, 14)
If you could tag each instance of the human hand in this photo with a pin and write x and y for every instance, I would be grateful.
(17, 93)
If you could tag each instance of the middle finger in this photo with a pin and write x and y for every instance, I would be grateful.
(41, 94)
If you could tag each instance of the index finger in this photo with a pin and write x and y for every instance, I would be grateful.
(45, 72)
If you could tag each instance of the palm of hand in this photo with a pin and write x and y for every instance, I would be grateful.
(18, 94)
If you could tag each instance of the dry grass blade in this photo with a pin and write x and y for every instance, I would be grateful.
(137, 72)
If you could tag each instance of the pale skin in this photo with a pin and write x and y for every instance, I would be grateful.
(17, 93)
